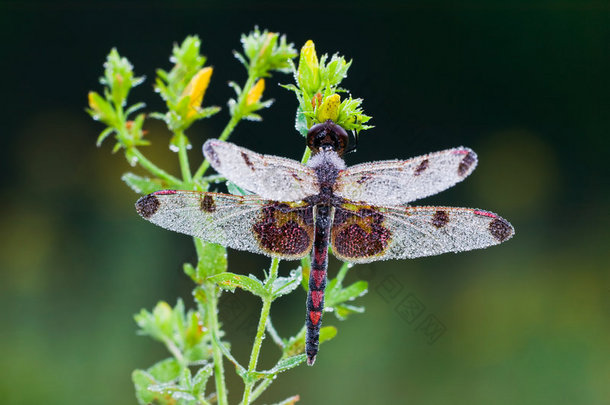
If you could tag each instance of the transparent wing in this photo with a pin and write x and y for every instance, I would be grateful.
(398, 182)
(239, 222)
(362, 234)
(271, 177)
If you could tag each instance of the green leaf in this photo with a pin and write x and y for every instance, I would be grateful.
(286, 364)
(341, 311)
(142, 185)
(327, 333)
(105, 133)
(175, 392)
(101, 110)
(134, 108)
(231, 281)
(119, 77)
(201, 378)
(300, 122)
(142, 380)
(285, 285)
(212, 260)
(165, 370)
(235, 189)
(337, 296)
(266, 51)
(306, 269)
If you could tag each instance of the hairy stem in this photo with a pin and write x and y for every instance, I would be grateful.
(212, 322)
(260, 332)
(154, 169)
(184, 159)
(306, 156)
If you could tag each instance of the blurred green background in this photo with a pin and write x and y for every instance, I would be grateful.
(525, 84)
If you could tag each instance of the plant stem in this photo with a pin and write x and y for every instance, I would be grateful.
(184, 159)
(154, 169)
(212, 315)
(306, 155)
(142, 160)
(260, 332)
(343, 272)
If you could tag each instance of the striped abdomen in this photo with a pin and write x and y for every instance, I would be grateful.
(317, 281)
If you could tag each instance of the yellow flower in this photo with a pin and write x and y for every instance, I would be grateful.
(101, 109)
(255, 93)
(92, 101)
(308, 71)
(196, 89)
(329, 110)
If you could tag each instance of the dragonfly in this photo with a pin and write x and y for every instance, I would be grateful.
(362, 212)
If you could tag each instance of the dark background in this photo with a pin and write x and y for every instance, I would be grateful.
(525, 84)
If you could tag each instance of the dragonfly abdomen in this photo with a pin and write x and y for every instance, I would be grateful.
(317, 281)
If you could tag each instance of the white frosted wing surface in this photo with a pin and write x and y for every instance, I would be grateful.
(406, 233)
(217, 218)
(398, 182)
(271, 177)
(239, 222)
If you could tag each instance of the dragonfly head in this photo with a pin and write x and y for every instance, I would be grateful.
(327, 136)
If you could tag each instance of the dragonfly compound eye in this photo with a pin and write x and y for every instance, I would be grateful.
(327, 135)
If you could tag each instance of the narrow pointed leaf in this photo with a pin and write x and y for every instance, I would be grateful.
(231, 281)
(142, 185)
(348, 293)
(285, 285)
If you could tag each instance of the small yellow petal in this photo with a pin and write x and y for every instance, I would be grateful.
(256, 92)
(196, 89)
(308, 72)
(329, 110)
(92, 103)
(310, 56)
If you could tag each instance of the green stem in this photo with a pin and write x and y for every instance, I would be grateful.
(306, 155)
(211, 312)
(142, 160)
(212, 315)
(260, 332)
(155, 170)
(343, 272)
(260, 388)
(184, 159)
(175, 351)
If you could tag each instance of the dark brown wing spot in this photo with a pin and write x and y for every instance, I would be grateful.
(207, 204)
(296, 177)
(246, 159)
(421, 167)
(363, 178)
(500, 229)
(147, 205)
(440, 219)
(465, 164)
(210, 154)
(285, 231)
(359, 234)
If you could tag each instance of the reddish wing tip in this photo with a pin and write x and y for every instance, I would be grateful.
(485, 213)
(311, 360)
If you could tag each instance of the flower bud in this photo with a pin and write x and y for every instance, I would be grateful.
(329, 110)
(196, 89)
(308, 72)
(255, 93)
